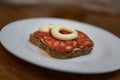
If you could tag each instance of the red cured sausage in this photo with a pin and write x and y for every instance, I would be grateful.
(83, 41)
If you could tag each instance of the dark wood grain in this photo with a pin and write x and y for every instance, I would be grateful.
(13, 68)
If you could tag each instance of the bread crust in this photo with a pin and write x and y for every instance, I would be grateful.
(57, 54)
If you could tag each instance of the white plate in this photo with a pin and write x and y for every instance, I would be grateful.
(105, 57)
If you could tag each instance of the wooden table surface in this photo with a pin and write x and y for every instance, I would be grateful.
(13, 68)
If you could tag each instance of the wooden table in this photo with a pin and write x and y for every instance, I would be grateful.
(13, 68)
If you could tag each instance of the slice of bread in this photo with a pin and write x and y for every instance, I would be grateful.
(57, 54)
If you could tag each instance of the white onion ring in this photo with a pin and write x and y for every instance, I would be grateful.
(56, 33)
(46, 27)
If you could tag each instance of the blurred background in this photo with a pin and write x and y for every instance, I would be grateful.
(103, 13)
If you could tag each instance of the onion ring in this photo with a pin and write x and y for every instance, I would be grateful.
(46, 27)
(55, 31)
